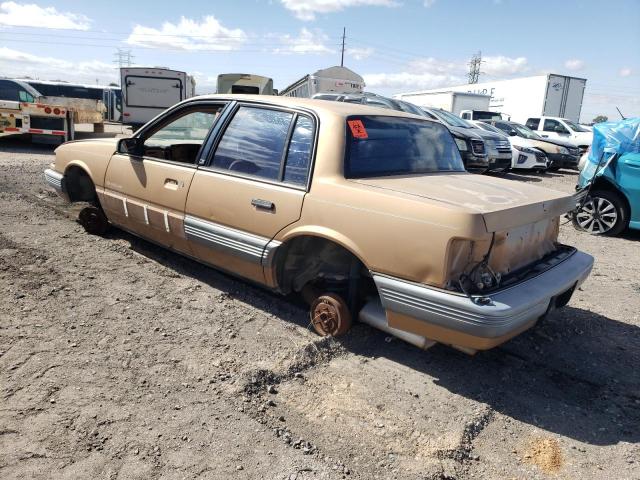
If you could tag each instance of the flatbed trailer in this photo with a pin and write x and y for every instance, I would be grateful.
(47, 123)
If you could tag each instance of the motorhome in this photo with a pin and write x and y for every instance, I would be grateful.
(148, 91)
(245, 83)
(333, 79)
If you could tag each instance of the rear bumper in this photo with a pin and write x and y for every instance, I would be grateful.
(55, 180)
(458, 319)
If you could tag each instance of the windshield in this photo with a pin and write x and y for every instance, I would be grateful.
(525, 132)
(410, 108)
(490, 128)
(574, 126)
(380, 146)
(451, 119)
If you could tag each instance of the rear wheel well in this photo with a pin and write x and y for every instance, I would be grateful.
(79, 185)
(323, 265)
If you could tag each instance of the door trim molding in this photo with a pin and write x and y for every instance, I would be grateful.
(247, 246)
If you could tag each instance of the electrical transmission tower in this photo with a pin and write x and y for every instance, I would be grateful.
(474, 67)
(123, 58)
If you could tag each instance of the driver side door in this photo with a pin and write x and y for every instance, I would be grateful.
(145, 191)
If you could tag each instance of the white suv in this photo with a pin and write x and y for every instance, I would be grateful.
(562, 129)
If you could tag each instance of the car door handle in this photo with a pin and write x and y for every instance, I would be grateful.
(263, 204)
(171, 183)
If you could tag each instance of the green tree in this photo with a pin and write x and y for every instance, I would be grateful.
(600, 119)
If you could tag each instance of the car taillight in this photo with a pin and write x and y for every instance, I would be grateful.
(56, 111)
(126, 114)
(47, 109)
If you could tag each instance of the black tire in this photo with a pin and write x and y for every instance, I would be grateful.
(604, 212)
(93, 220)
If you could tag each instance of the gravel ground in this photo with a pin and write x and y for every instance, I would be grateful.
(121, 360)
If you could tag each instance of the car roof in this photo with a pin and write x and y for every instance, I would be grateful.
(320, 106)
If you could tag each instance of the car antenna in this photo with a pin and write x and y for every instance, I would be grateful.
(623, 117)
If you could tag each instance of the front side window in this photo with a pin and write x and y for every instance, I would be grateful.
(254, 142)
(25, 96)
(179, 139)
(551, 125)
(382, 146)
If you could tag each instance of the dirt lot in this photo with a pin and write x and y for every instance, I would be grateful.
(121, 360)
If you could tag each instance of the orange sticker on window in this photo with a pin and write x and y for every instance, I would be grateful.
(357, 129)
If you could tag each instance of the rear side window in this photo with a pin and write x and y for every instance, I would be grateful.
(254, 142)
(299, 154)
(382, 146)
(533, 123)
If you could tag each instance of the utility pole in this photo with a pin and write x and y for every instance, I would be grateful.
(123, 58)
(344, 32)
(474, 67)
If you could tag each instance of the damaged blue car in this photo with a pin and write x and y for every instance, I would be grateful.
(610, 180)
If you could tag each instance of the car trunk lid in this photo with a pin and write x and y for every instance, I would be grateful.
(503, 204)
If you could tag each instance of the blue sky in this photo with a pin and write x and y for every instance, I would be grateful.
(397, 45)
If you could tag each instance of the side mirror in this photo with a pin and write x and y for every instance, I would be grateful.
(130, 146)
(513, 133)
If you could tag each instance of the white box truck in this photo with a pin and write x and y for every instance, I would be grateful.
(470, 106)
(549, 95)
(146, 92)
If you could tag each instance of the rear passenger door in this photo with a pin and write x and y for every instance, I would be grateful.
(251, 188)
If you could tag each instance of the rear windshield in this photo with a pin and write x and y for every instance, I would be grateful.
(381, 146)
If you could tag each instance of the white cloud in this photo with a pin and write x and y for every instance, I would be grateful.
(501, 66)
(429, 3)
(307, 9)
(625, 72)
(574, 64)
(358, 53)
(14, 63)
(14, 14)
(188, 34)
(308, 42)
(426, 73)
(411, 81)
(435, 66)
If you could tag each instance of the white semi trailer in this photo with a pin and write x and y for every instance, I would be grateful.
(333, 79)
(548, 95)
(146, 92)
(470, 106)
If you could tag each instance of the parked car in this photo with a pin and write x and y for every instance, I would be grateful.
(524, 155)
(367, 212)
(562, 129)
(560, 153)
(481, 150)
(611, 179)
